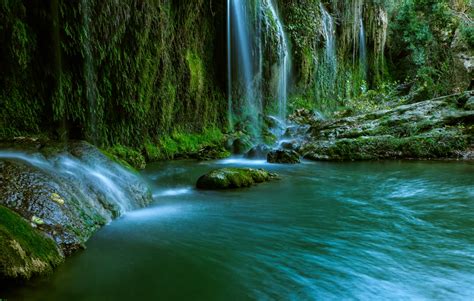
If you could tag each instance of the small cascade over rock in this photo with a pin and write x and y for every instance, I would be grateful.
(68, 191)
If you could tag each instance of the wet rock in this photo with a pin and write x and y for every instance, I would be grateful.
(273, 123)
(241, 145)
(289, 144)
(211, 152)
(283, 157)
(25, 251)
(469, 104)
(68, 192)
(230, 178)
(258, 152)
(441, 128)
(304, 116)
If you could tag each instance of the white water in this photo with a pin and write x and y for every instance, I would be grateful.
(284, 60)
(245, 60)
(329, 32)
(242, 65)
(109, 180)
(362, 49)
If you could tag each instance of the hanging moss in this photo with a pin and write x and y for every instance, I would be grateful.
(111, 72)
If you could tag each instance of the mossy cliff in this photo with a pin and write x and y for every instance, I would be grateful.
(112, 72)
(425, 47)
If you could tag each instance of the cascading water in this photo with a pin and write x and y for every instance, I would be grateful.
(329, 33)
(326, 74)
(273, 22)
(246, 57)
(362, 50)
(242, 65)
(109, 181)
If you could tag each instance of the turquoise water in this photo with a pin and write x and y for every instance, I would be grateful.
(325, 231)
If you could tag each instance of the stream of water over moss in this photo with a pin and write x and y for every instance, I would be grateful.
(325, 231)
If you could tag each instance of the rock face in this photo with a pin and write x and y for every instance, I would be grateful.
(440, 128)
(229, 178)
(283, 156)
(208, 153)
(68, 192)
(258, 152)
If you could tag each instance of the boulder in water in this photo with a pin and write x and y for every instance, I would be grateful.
(258, 152)
(229, 178)
(241, 145)
(284, 156)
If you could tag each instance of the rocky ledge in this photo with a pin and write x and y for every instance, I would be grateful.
(438, 128)
(53, 197)
(229, 178)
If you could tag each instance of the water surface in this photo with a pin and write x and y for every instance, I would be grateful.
(325, 231)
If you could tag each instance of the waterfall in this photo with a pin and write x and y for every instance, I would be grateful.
(283, 64)
(362, 50)
(242, 65)
(327, 65)
(329, 33)
(229, 69)
(246, 58)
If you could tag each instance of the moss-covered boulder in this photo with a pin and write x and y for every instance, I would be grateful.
(229, 178)
(283, 156)
(25, 251)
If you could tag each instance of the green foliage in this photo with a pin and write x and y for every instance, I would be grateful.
(196, 70)
(422, 34)
(25, 251)
(128, 155)
(114, 73)
(467, 31)
(181, 143)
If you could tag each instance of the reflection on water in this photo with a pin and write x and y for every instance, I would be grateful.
(325, 231)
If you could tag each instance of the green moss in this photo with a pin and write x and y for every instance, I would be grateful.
(228, 178)
(24, 251)
(126, 154)
(180, 143)
(196, 71)
(438, 143)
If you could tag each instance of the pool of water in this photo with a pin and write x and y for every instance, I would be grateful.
(324, 231)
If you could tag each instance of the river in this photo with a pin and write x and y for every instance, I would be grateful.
(324, 231)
